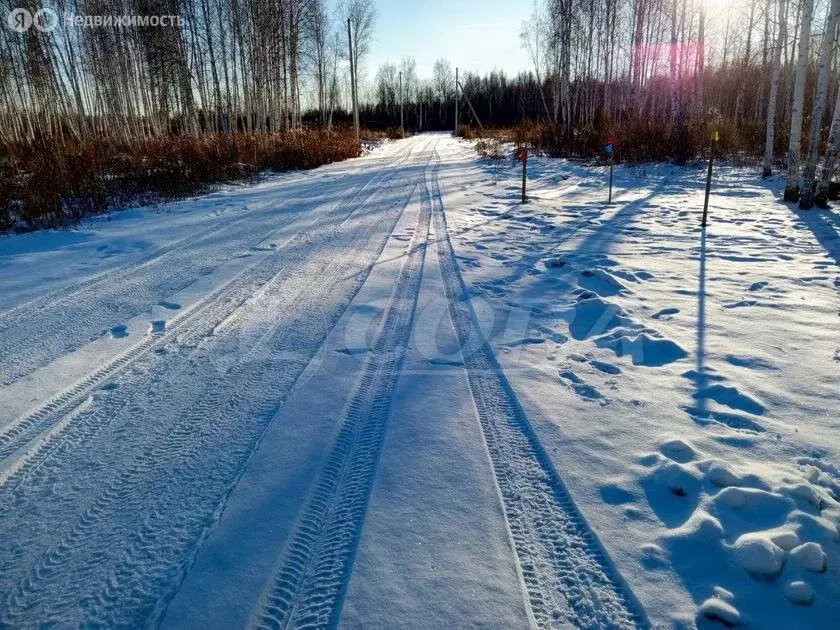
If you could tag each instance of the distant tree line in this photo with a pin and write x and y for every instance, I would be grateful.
(660, 76)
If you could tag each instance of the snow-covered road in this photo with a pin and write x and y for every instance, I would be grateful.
(385, 394)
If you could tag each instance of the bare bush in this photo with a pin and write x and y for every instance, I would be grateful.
(47, 183)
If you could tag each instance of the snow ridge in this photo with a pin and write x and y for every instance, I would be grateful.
(567, 574)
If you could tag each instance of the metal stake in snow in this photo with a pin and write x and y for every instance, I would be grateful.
(522, 154)
(715, 138)
(402, 125)
(609, 149)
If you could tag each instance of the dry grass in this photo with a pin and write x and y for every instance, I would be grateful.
(48, 183)
(636, 140)
(490, 148)
(388, 133)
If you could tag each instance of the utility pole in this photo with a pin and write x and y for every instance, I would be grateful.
(402, 123)
(353, 81)
(456, 101)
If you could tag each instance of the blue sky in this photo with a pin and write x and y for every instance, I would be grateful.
(476, 35)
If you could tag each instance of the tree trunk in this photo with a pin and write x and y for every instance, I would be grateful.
(770, 137)
(701, 58)
(792, 188)
(806, 200)
(831, 153)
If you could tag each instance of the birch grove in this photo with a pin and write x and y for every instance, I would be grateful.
(214, 66)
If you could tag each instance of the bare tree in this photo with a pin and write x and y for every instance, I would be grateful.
(806, 200)
(362, 16)
(444, 85)
(792, 188)
(770, 136)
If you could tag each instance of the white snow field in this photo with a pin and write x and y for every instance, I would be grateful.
(385, 394)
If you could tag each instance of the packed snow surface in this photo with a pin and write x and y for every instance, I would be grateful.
(385, 393)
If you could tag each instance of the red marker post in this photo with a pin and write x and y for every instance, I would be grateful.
(522, 154)
(609, 149)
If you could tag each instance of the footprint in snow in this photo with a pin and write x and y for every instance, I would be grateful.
(353, 351)
(613, 494)
(740, 304)
(653, 557)
(581, 388)
(731, 397)
(158, 326)
(754, 363)
(600, 283)
(678, 450)
(666, 313)
(525, 341)
(606, 368)
(739, 422)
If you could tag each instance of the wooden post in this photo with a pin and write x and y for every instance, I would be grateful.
(715, 137)
(612, 163)
(353, 81)
(456, 101)
(523, 155)
(402, 125)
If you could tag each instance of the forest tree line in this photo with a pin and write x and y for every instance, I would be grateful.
(227, 65)
(658, 75)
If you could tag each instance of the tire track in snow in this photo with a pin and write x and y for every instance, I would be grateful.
(309, 588)
(126, 553)
(567, 574)
(48, 299)
(191, 323)
(81, 317)
(41, 332)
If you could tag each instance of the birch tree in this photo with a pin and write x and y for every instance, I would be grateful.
(806, 200)
(831, 155)
(770, 136)
(792, 188)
